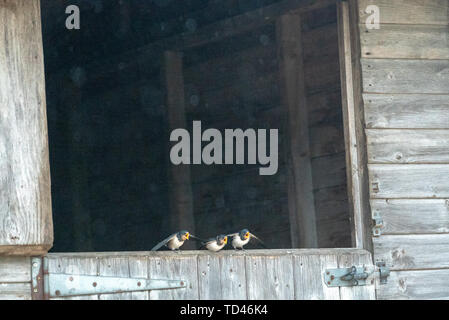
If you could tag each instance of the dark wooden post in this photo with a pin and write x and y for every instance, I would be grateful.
(26, 226)
(300, 186)
(180, 188)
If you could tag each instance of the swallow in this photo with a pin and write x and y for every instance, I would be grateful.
(216, 244)
(240, 239)
(175, 241)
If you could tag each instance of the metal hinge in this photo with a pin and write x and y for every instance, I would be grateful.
(384, 272)
(65, 285)
(349, 277)
(378, 223)
(356, 276)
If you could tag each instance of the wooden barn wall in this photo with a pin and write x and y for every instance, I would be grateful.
(15, 278)
(235, 84)
(405, 67)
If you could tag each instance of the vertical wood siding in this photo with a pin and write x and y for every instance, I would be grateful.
(253, 274)
(406, 98)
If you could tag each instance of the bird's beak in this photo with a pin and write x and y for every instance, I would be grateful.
(187, 236)
(226, 240)
(247, 235)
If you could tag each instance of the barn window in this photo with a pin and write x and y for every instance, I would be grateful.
(137, 70)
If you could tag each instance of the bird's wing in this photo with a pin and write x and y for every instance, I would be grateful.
(261, 242)
(206, 242)
(163, 242)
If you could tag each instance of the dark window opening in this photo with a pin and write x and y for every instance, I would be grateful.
(113, 185)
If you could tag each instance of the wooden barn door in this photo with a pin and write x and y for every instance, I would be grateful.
(255, 274)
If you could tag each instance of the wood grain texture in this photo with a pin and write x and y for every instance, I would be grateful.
(25, 201)
(405, 42)
(410, 252)
(416, 285)
(15, 291)
(292, 83)
(407, 146)
(15, 269)
(222, 277)
(408, 11)
(359, 292)
(309, 277)
(270, 277)
(413, 216)
(175, 267)
(406, 111)
(76, 264)
(229, 274)
(353, 118)
(405, 76)
(409, 180)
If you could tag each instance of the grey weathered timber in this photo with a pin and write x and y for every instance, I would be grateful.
(406, 42)
(15, 278)
(15, 291)
(408, 146)
(292, 83)
(361, 292)
(406, 111)
(405, 93)
(353, 117)
(408, 12)
(412, 216)
(409, 180)
(410, 252)
(181, 199)
(229, 274)
(25, 202)
(15, 269)
(416, 285)
(405, 76)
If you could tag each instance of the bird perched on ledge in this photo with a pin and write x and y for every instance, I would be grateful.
(175, 241)
(240, 239)
(216, 244)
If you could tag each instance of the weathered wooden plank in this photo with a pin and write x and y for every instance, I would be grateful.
(172, 266)
(409, 180)
(367, 292)
(300, 184)
(407, 146)
(270, 277)
(413, 216)
(408, 12)
(114, 267)
(233, 277)
(405, 42)
(409, 252)
(15, 291)
(406, 111)
(415, 285)
(222, 277)
(15, 269)
(76, 264)
(138, 268)
(25, 200)
(405, 76)
(353, 118)
(309, 277)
